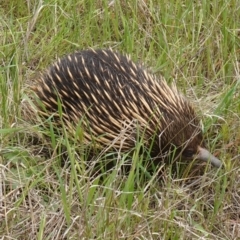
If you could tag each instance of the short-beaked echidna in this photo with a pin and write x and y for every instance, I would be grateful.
(117, 100)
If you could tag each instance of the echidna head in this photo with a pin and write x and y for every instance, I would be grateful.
(190, 144)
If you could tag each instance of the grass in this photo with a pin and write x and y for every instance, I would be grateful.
(196, 44)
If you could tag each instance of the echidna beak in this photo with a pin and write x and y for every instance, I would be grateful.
(205, 155)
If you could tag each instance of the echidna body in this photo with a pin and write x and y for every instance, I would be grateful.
(116, 100)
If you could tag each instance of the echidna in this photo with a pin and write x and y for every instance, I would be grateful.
(118, 100)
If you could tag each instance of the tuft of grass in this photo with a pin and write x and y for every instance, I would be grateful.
(194, 43)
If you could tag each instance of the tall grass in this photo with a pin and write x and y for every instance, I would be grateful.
(194, 43)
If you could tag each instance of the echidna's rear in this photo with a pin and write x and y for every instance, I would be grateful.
(116, 99)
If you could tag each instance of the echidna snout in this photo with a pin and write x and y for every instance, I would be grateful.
(117, 100)
(204, 155)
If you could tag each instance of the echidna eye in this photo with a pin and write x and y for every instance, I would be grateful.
(188, 153)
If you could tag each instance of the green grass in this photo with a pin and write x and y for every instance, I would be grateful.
(194, 43)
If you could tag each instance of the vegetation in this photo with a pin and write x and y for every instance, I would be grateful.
(196, 44)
